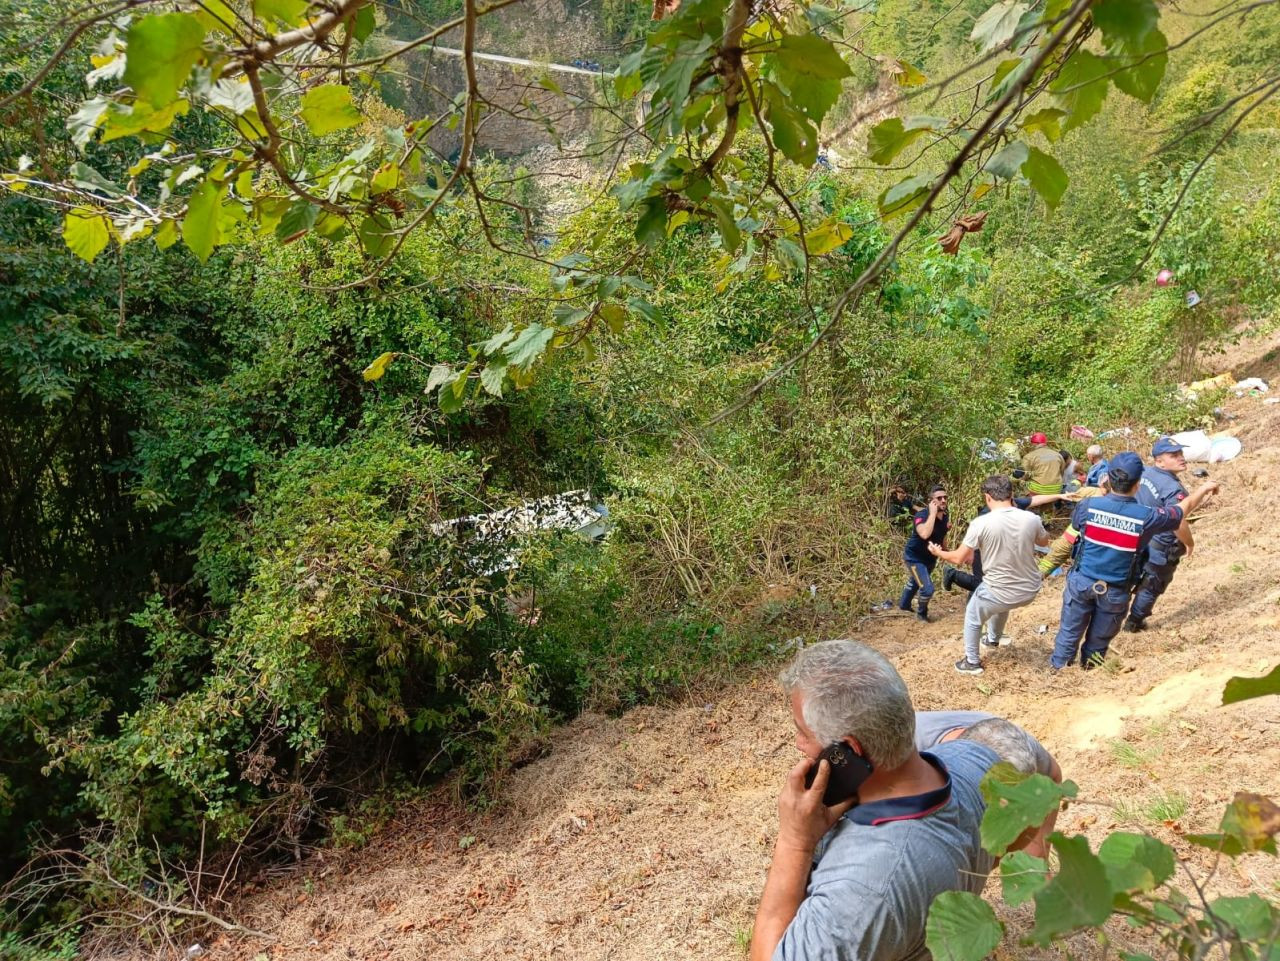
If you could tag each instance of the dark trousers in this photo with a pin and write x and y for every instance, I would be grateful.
(966, 581)
(1155, 581)
(1086, 613)
(919, 581)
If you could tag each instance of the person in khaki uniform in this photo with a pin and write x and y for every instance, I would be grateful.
(1060, 549)
(1042, 466)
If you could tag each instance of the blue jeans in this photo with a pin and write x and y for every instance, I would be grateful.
(919, 580)
(1088, 614)
(1155, 581)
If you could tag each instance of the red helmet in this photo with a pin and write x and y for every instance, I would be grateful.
(1038, 438)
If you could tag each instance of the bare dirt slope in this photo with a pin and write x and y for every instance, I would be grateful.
(649, 835)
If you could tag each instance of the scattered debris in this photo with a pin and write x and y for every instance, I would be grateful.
(1250, 385)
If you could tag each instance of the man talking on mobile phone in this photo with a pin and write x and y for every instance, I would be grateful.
(854, 879)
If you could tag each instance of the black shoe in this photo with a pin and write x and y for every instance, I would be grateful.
(922, 611)
(924, 616)
(986, 643)
(1135, 624)
(966, 666)
(948, 578)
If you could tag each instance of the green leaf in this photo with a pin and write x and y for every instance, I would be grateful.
(493, 375)
(1021, 876)
(440, 374)
(791, 254)
(122, 121)
(86, 232)
(387, 177)
(83, 124)
(811, 56)
(905, 195)
(364, 23)
(1136, 862)
(651, 228)
(85, 177)
(162, 49)
(890, 137)
(1250, 916)
(827, 237)
(1046, 175)
(1016, 802)
(166, 234)
(793, 134)
(908, 75)
(1008, 161)
(1247, 688)
(1079, 894)
(529, 345)
(1250, 823)
(730, 235)
(614, 317)
(379, 366)
(1148, 59)
(498, 340)
(961, 927)
(1081, 87)
(328, 107)
(1125, 22)
(997, 26)
(375, 236)
(289, 12)
(200, 225)
(1047, 121)
(297, 220)
(643, 308)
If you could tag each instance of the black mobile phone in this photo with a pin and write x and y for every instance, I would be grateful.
(848, 770)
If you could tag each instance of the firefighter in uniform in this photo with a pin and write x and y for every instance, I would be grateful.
(1160, 487)
(1114, 531)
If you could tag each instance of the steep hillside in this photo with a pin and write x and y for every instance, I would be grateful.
(648, 835)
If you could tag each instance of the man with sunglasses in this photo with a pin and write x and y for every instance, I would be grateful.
(930, 526)
(1160, 487)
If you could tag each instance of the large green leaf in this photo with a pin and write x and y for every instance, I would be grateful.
(961, 927)
(525, 350)
(86, 232)
(83, 124)
(1136, 862)
(1016, 802)
(1081, 87)
(651, 228)
(1125, 21)
(1021, 876)
(1046, 175)
(905, 195)
(162, 49)
(328, 107)
(1079, 894)
(1008, 161)
(364, 23)
(493, 375)
(1047, 121)
(289, 12)
(1250, 823)
(997, 26)
(1144, 65)
(378, 366)
(890, 137)
(1247, 688)
(375, 236)
(200, 225)
(811, 56)
(1253, 918)
(296, 221)
(793, 134)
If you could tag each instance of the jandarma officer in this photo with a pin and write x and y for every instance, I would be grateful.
(1114, 530)
(1160, 487)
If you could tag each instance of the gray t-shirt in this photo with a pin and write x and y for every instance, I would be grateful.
(871, 885)
(931, 725)
(1007, 540)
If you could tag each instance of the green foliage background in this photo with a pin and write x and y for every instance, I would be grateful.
(222, 589)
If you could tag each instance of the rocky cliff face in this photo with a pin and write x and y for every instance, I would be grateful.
(523, 114)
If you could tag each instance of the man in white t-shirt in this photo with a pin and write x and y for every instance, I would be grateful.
(1007, 538)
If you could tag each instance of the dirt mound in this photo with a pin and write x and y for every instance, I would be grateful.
(649, 835)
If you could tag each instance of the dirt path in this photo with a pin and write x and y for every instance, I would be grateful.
(648, 836)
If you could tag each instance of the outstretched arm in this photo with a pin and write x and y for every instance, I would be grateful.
(961, 555)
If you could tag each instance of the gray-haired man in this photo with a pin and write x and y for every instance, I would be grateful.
(856, 880)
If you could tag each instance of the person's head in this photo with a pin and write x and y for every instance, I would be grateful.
(898, 492)
(1168, 455)
(1005, 738)
(997, 489)
(1038, 439)
(938, 495)
(1094, 453)
(845, 691)
(1124, 471)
